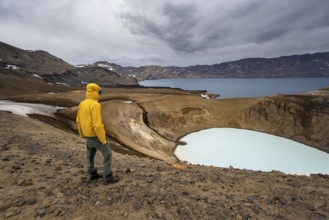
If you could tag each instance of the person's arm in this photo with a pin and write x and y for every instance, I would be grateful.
(98, 123)
(79, 125)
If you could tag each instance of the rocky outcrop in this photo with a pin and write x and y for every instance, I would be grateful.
(303, 118)
(127, 125)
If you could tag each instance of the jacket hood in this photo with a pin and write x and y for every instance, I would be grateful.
(92, 91)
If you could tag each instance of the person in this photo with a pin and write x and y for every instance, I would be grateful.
(90, 126)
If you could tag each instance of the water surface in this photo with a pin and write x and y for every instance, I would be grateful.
(246, 149)
(247, 87)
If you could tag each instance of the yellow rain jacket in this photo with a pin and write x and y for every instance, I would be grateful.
(89, 118)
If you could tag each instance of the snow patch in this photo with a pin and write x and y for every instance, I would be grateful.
(80, 66)
(11, 67)
(36, 75)
(60, 83)
(205, 96)
(318, 92)
(106, 66)
(23, 109)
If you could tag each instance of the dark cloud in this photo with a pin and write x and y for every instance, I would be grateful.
(175, 30)
(290, 17)
(179, 31)
(246, 9)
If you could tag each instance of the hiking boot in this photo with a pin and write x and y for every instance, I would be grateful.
(111, 179)
(94, 175)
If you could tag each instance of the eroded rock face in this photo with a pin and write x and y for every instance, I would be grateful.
(303, 118)
(176, 116)
(125, 123)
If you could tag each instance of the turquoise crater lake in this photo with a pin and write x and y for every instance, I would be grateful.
(246, 149)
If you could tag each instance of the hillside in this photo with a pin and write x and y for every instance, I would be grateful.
(42, 66)
(38, 62)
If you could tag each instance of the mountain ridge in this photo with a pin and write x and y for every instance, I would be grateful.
(305, 65)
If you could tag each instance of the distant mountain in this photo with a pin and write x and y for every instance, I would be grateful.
(307, 65)
(99, 73)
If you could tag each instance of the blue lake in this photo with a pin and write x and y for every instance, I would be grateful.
(245, 149)
(231, 88)
(252, 150)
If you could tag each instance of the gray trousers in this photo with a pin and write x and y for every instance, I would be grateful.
(93, 144)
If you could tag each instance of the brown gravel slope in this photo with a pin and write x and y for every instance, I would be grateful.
(42, 175)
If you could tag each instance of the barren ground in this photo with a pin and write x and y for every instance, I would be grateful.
(42, 176)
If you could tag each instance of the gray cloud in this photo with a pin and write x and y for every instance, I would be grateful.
(174, 29)
(167, 32)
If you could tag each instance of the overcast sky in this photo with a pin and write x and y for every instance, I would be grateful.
(166, 32)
